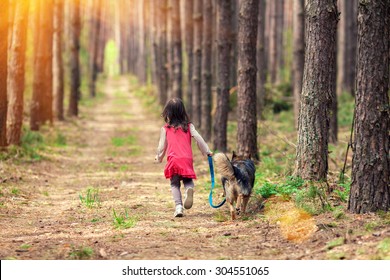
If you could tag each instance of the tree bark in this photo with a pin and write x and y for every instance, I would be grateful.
(196, 78)
(234, 41)
(370, 187)
(246, 109)
(317, 90)
(206, 70)
(42, 99)
(279, 43)
(175, 63)
(74, 57)
(141, 65)
(94, 46)
(261, 60)
(16, 71)
(189, 42)
(3, 71)
(299, 54)
(58, 64)
(123, 48)
(347, 41)
(162, 52)
(224, 11)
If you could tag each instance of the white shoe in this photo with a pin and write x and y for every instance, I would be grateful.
(178, 211)
(188, 198)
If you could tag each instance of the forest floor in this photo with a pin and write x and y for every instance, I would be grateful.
(100, 195)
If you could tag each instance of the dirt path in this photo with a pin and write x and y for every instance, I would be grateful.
(113, 154)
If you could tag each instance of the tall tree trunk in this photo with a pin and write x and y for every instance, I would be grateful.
(223, 83)
(246, 109)
(103, 37)
(74, 57)
(299, 54)
(272, 38)
(162, 52)
(133, 44)
(347, 41)
(370, 187)
(279, 26)
(189, 42)
(196, 78)
(58, 65)
(234, 41)
(3, 71)
(141, 66)
(42, 99)
(317, 90)
(153, 41)
(175, 63)
(47, 39)
(261, 59)
(123, 49)
(94, 46)
(16, 71)
(206, 70)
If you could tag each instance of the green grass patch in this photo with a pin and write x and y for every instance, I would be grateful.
(91, 198)
(287, 188)
(371, 226)
(123, 220)
(123, 141)
(81, 253)
(335, 243)
(25, 246)
(384, 249)
(313, 199)
(15, 191)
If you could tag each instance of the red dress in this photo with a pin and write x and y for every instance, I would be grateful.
(179, 153)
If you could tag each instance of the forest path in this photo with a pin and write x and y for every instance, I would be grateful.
(110, 150)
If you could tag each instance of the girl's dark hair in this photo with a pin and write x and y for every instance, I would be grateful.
(174, 114)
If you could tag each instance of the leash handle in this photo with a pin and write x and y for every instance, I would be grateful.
(212, 184)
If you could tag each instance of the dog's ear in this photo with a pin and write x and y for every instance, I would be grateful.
(234, 155)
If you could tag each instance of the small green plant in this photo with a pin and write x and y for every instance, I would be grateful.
(267, 189)
(91, 198)
(60, 140)
(312, 199)
(285, 189)
(15, 191)
(384, 249)
(81, 253)
(343, 191)
(25, 246)
(338, 213)
(335, 243)
(123, 220)
(371, 226)
(45, 193)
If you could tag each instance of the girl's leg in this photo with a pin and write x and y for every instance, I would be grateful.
(175, 188)
(188, 183)
(189, 192)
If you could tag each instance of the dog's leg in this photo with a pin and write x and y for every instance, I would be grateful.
(232, 210)
(245, 200)
(238, 204)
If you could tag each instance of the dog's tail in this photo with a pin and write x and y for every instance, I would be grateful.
(223, 165)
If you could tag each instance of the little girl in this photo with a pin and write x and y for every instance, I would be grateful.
(175, 139)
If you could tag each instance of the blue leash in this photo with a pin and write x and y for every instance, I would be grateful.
(212, 185)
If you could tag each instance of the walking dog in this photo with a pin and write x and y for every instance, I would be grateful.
(238, 178)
